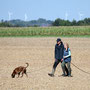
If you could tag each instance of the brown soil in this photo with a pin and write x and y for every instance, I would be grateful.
(39, 53)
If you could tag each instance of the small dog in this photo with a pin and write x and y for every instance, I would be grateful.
(19, 70)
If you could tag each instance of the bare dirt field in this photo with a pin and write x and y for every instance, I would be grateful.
(39, 53)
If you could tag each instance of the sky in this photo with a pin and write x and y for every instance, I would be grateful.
(48, 9)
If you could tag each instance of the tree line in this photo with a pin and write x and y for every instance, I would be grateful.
(21, 23)
(44, 22)
(62, 22)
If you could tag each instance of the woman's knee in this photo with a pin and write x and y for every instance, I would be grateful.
(62, 64)
(68, 65)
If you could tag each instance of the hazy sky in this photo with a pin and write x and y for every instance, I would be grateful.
(48, 9)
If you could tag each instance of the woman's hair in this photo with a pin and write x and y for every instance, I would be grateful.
(67, 45)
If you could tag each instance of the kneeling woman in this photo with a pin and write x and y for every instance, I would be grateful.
(67, 59)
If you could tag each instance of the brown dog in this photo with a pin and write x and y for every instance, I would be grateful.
(19, 70)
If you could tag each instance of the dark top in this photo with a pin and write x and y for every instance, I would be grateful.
(59, 51)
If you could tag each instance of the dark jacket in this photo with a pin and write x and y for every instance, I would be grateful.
(59, 51)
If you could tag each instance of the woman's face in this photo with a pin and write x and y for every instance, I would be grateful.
(65, 46)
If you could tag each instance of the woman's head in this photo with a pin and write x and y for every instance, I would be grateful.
(66, 45)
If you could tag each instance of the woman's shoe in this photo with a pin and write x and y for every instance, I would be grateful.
(70, 76)
(63, 75)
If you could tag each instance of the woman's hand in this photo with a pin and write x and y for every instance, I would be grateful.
(64, 56)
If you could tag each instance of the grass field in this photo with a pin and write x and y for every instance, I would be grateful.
(45, 31)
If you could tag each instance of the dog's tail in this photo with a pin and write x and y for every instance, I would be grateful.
(27, 65)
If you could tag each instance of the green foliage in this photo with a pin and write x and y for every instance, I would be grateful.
(74, 23)
(39, 22)
(61, 22)
(46, 31)
(5, 24)
(43, 22)
(56, 22)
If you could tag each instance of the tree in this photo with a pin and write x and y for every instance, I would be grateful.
(5, 24)
(61, 22)
(74, 23)
(56, 22)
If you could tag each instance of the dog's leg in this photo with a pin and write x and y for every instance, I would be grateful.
(18, 74)
(22, 74)
(25, 72)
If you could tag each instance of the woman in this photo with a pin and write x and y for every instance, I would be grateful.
(67, 60)
(59, 51)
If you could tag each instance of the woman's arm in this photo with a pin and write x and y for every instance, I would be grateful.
(69, 54)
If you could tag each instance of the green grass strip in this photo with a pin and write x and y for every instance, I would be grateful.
(64, 31)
